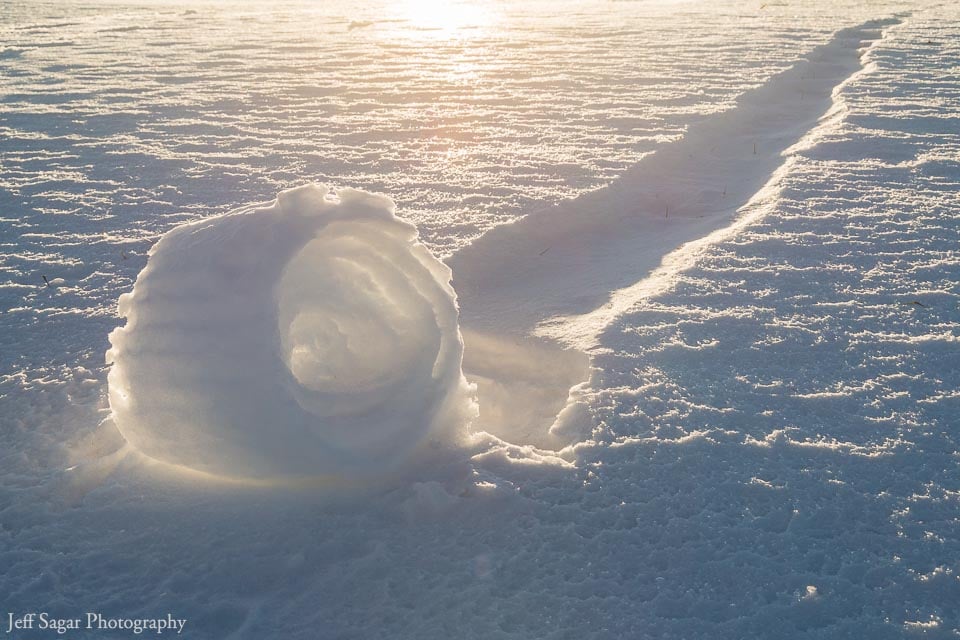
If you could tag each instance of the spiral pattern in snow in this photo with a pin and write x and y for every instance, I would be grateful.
(314, 336)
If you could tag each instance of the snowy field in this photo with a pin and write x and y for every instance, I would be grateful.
(730, 227)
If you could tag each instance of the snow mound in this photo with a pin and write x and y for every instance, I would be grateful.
(314, 336)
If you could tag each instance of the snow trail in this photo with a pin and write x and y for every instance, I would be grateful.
(521, 285)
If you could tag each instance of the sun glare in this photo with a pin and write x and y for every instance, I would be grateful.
(443, 19)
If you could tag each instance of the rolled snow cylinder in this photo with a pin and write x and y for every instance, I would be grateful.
(314, 336)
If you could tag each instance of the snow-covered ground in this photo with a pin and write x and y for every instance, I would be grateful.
(763, 442)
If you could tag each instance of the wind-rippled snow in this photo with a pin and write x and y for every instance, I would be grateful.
(775, 453)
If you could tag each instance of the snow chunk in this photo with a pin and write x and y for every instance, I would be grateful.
(314, 336)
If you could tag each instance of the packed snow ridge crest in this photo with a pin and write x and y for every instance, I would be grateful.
(310, 337)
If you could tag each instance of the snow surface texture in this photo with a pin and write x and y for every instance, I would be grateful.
(311, 337)
(775, 445)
